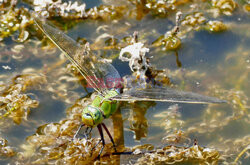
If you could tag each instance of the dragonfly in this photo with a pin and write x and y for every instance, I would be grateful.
(106, 81)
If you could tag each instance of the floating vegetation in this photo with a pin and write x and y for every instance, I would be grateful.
(57, 8)
(216, 26)
(158, 8)
(223, 6)
(171, 42)
(69, 10)
(173, 154)
(247, 7)
(16, 104)
(194, 20)
(5, 150)
(13, 19)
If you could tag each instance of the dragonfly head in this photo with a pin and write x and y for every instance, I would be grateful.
(91, 116)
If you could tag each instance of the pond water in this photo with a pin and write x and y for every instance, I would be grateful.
(42, 94)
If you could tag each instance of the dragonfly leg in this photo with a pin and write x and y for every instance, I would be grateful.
(87, 132)
(110, 136)
(102, 139)
(80, 127)
(95, 146)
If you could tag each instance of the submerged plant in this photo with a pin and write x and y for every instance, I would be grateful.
(170, 41)
(137, 120)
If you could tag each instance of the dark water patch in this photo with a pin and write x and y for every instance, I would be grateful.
(83, 29)
(235, 129)
(18, 133)
(129, 140)
(5, 161)
(191, 110)
(8, 40)
(122, 67)
(91, 3)
(49, 109)
(23, 4)
(208, 48)
(165, 59)
(203, 139)
(238, 17)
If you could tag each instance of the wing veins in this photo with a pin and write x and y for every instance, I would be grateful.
(166, 95)
(80, 68)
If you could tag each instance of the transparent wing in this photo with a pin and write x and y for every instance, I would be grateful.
(99, 74)
(165, 95)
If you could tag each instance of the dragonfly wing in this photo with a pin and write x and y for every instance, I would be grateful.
(165, 95)
(110, 75)
(96, 71)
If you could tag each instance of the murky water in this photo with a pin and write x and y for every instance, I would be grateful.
(213, 64)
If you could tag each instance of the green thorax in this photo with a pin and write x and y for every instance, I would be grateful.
(106, 104)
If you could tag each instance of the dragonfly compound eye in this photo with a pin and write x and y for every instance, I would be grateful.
(91, 116)
(88, 114)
